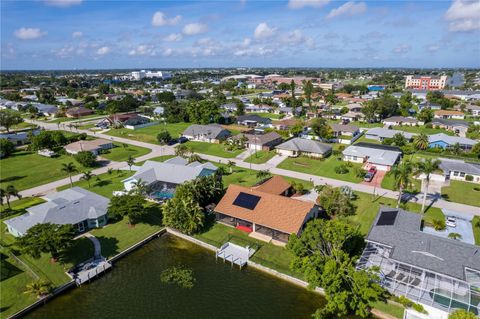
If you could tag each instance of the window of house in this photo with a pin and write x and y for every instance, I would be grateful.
(462, 174)
(455, 173)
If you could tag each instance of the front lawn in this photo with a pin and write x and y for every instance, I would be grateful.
(212, 149)
(462, 192)
(104, 184)
(422, 129)
(117, 236)
(149, 134)
(321, 167)
(121, 152)
(367, 140)
(260, 157)
(476, 229)
(388, 182)
(367, 208)
(24, 169)
(272, 116)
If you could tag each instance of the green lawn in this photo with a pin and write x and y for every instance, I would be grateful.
(103, 184)
(268, 115)
(26, 169)
(212, 149)
(260, 157)
(121, 153)
(421, 129)
(117, 236)
(266, 254)
(321, 167)
(388, 182)
(462, 192)
(367, 208)
(366, 124)
(149, 134)
(162, 158)
(69, 119)
(476, 229)
(367, 140)
(391, 309)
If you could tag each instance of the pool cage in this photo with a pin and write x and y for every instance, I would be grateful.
(420, 285)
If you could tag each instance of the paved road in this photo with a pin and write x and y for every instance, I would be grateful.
(158, 150)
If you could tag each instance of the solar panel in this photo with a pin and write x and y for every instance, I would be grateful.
(387, 218)
(247, 201)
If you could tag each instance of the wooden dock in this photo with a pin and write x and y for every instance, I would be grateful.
(235, 254)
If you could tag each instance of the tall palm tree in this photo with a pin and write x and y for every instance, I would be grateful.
(402, 175)
(38, 288)
(139, 187)
(194, 158)
(261, 175)
(69, 168)
(8, 193)
(230, 166)
(130, 162)
(421, 141)
(2, 195)
(87, 176)
(427, 167)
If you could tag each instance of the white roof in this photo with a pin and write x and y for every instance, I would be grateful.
(375, 156)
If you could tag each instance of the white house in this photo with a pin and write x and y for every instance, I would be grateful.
(211, 133)
(382, 157)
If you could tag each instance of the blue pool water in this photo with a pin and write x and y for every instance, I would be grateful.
(168, 194)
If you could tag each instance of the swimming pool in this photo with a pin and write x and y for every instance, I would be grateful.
(166, 194)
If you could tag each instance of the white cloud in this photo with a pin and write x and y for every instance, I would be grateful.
(160, 19)
(295, 38)
(173, 37)
(195, 28)
(168, 52)
(143, 49)
(298, 4)
(463, 16)
(348, 9)
(246, 42)
(402, 49)
(29, 33)
(77, 34)
(263, 31)
(103, 50)
(63, 3)
(432, 48)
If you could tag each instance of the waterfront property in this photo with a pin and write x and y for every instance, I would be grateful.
(439, 272)
(94, 146)
(161, 178)
(212, 133)
(301, 146)
(76, 206)
(382, 157)
(266, 216)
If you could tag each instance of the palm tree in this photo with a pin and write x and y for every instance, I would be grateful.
(139, 187)
(110, 171)
(9, 192)
(457, 149)
(181, 150)
(69, 168)
(454, 236)
(427, 167)
(421, 141)
(38, 288)
(87, 176)
(230, 166)
(194, 158)
(402, 176)
(438, 224)
(130, 162)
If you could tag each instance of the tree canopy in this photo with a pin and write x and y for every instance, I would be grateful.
(9, 118)
(130, 205)
(46, 238)
(335, 202)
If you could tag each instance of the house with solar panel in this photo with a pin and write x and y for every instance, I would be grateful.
(442, 274)
(264, 212)
(162, 178)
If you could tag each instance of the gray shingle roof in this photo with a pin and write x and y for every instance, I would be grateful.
(386, 133)
(414, 247)
(375, 155)
(212, 130)
(449, 165)
(70, 206)
(450, 140)
(344, 128)
(450, 122)
(254, 117)
(305, 145)
(169, 172)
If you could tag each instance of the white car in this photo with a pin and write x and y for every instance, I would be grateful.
(451, 221)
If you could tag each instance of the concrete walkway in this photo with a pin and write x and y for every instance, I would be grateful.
(158, 150)
(96, 244)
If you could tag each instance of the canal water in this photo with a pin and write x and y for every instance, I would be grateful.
(133, 289)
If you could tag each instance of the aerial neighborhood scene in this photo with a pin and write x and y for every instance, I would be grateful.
(240, 159)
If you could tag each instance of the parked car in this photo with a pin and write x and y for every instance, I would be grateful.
(182, 140)
(373, 170)
(368, 177)
(451, 221)
(173, 141)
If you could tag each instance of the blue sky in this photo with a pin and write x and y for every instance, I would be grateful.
(82, 34)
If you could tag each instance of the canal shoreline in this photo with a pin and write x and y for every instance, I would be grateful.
(71, 284)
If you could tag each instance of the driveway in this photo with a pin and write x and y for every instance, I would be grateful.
(463, 227)
(376, 180)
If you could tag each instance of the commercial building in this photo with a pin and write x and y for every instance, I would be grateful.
(424, 82)
(139, 75)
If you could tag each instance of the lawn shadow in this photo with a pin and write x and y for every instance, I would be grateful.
(109, 246)
(153, 216)
(7, 269)
(103, 183)
(80, 251)
(11, 179)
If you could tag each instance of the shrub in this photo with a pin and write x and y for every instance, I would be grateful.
(428, 125)
(439, 224)
(342, 169)
(6, 147)
(469, 178)
(86, 158)
(360, 172)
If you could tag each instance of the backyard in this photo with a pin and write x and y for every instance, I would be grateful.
(272, 116)
(121, 152)
(149, 134)
(322, 167)
(462, 192)
(260, 157)
(24, 169)
(212, 149)
(421, 129)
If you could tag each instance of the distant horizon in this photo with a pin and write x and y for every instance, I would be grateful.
(87, 34)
